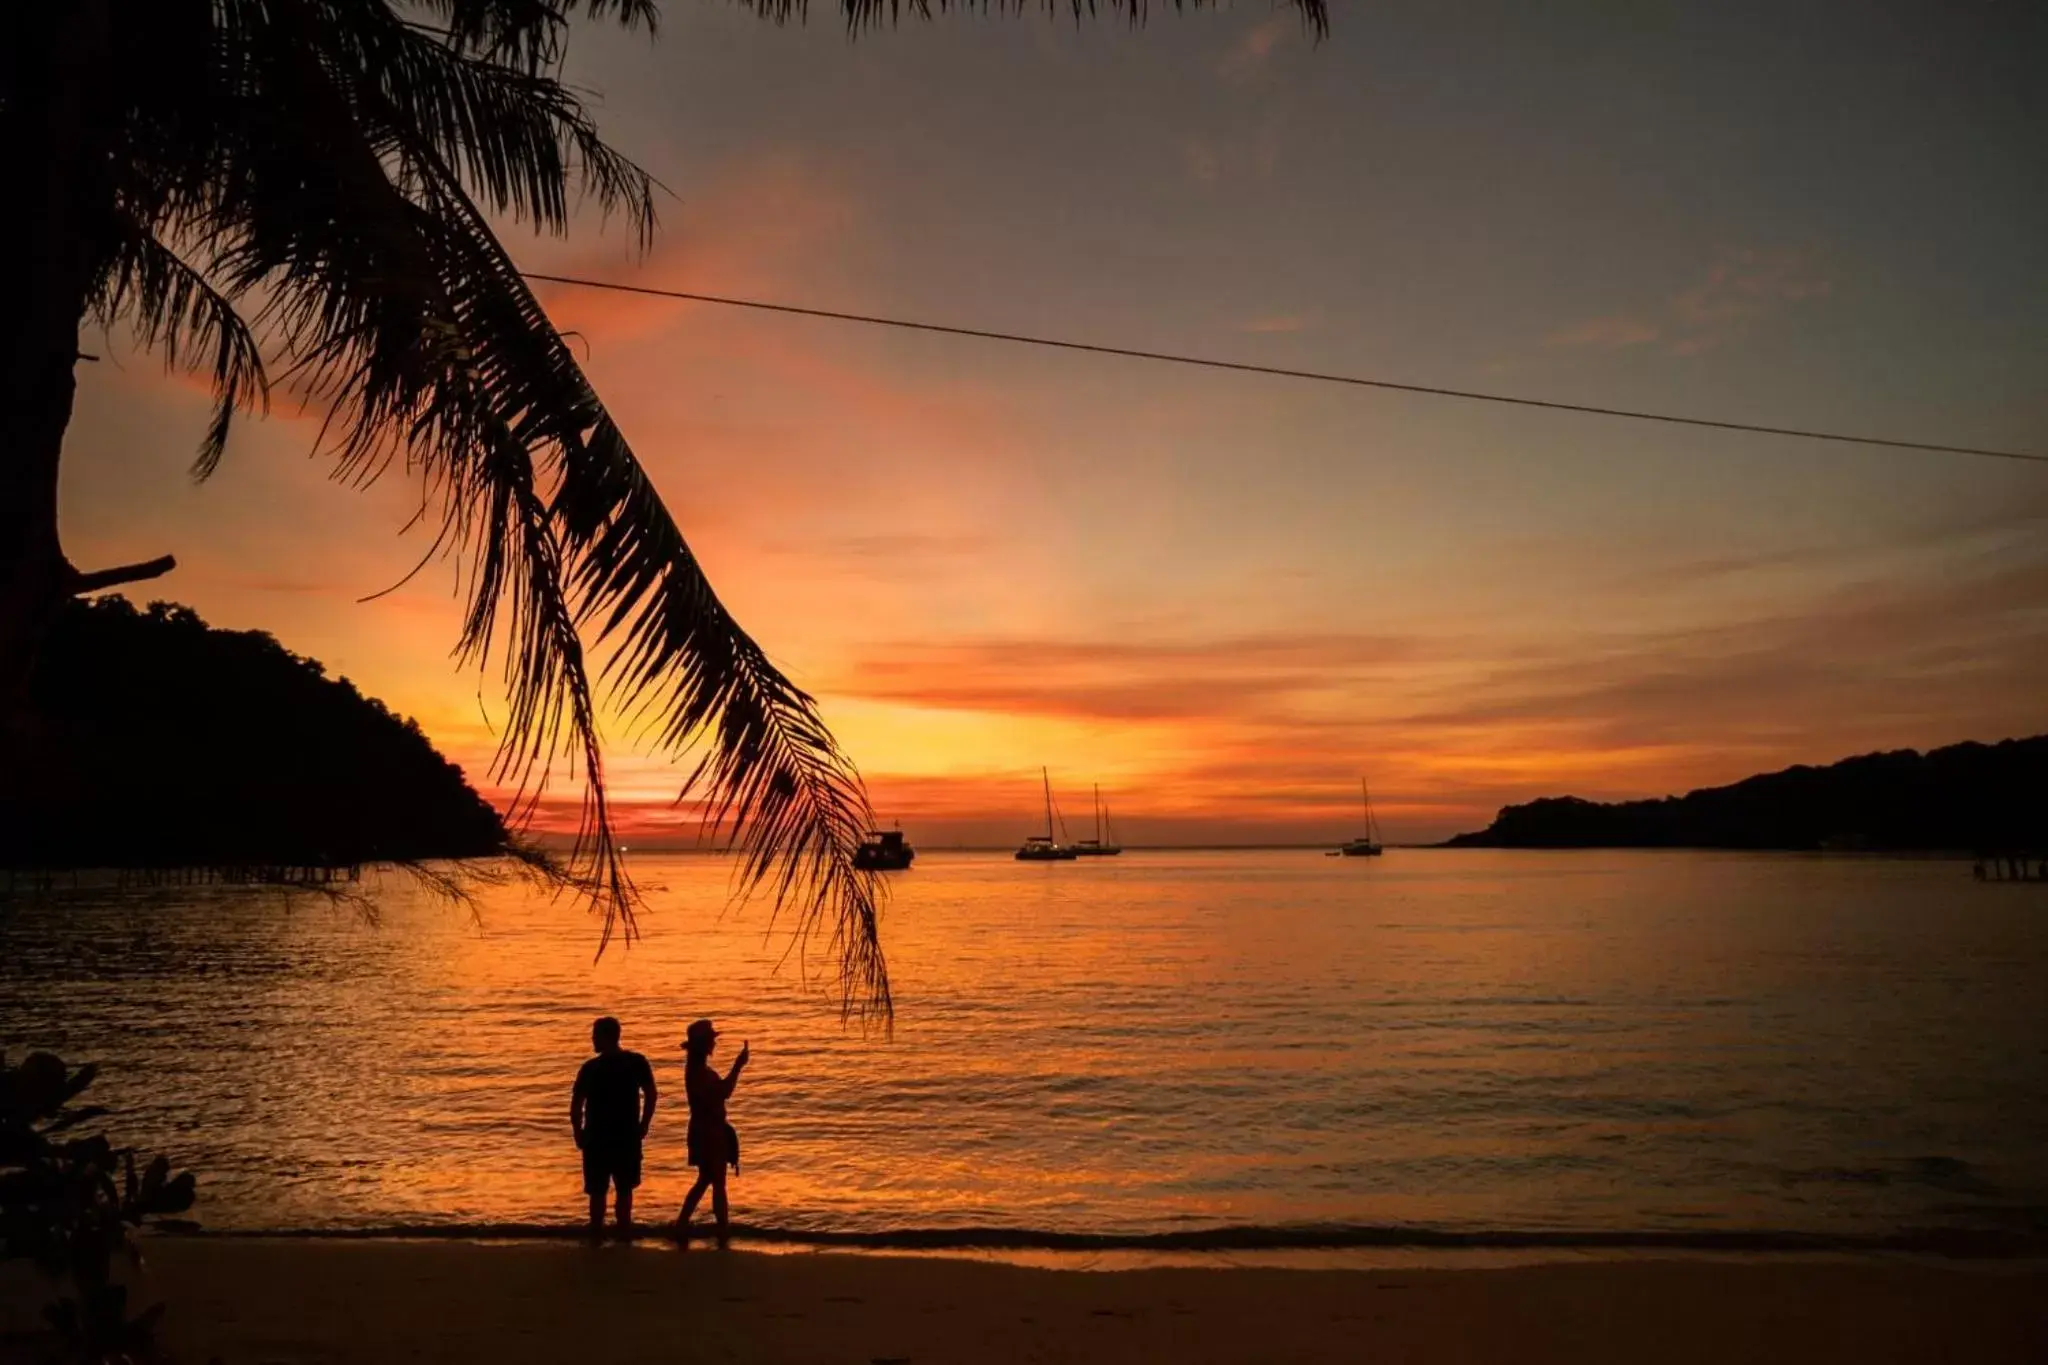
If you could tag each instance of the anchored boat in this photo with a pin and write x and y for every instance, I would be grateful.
(1367, 845)
(1099, 847)
(1040, 848)
(884, 851)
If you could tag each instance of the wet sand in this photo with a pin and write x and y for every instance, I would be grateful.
(255, 1302)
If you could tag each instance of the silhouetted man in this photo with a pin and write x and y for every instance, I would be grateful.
(610, 1121)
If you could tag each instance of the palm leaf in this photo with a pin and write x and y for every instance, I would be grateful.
(396, 308)
(174, 309)
(768, 771)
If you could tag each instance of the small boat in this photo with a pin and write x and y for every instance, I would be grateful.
(1366, 845)
(1040, 848)
(1097, 847)
(884, 851)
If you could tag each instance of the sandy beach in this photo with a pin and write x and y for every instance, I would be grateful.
(254, 1302)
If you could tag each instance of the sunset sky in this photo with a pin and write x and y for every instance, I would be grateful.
(1224, 597)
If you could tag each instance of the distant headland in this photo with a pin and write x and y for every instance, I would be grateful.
(1983, 798)
(156, 741)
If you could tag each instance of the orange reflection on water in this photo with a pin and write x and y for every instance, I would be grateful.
(1163, 1042)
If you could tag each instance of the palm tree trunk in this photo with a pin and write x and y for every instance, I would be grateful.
(53, 238)
(35, 407)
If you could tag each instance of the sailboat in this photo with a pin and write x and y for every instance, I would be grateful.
(1040, 848)
(1097, 847)
(1368, 844)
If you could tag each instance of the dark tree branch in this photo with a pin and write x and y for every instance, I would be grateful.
(82, 583)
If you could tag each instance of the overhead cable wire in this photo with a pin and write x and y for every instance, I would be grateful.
(1284, 372)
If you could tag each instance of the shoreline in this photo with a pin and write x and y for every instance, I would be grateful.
(1942, 1245)
(310, 1302)
(1121, 1255)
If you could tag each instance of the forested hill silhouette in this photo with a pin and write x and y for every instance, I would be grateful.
(1970, 797)
(157, 741)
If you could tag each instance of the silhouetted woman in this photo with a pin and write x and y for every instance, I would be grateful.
(713, 1144)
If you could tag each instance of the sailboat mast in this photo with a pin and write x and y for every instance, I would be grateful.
(1098, 812)
(1047, 776)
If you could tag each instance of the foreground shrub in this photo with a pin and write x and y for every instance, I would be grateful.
(70, 1203)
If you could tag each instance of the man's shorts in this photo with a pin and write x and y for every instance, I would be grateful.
(610, 1162)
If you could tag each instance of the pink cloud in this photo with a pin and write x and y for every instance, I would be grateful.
(1741, 287)
(1746, 283)
(1201, 160)
(1282, 323)
(744, 233)
(1248, 55)
(1608, 333)
(1254, 155)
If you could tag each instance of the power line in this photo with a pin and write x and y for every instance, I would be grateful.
(1243, 367)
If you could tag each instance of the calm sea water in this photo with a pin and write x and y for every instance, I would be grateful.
(1454, 1041)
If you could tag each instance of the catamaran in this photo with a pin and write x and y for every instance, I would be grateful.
(1367, 845)
(1040, 848)
(1097, 847)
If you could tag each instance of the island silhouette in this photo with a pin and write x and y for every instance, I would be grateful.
(1990, 799)
(154, 740)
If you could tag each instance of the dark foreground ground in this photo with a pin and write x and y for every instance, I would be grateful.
(254, 1302)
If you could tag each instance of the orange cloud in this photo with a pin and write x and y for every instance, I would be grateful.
(1121, 680)
(1269, 731)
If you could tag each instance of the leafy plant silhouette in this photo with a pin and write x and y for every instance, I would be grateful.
(70, 1203)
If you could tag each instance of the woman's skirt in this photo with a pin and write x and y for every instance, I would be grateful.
(713, 1147)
